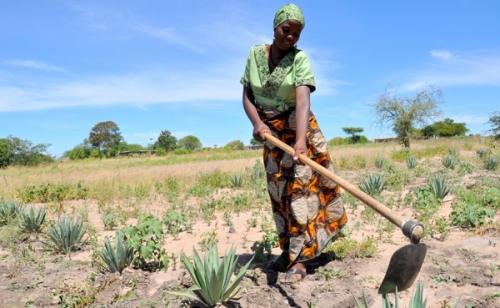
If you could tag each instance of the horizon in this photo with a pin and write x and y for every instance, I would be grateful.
(150, 66)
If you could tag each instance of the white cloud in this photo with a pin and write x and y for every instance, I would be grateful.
(441, 54)
(38, 65)
(466, 70)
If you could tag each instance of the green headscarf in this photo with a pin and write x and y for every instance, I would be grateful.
(287, 12)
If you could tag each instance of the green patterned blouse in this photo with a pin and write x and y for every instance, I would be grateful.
(276, 91)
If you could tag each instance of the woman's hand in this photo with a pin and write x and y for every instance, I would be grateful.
(300, 148)
(259, 129)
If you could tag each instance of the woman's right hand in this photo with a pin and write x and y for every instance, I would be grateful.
(258, 131)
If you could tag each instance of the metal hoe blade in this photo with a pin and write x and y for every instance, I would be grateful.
(403, 268)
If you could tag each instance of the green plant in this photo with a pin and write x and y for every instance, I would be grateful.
(481, 153)
(31, 220)
(470, 214)
(465, 168)
(236, 180)
(116, 258)
(65, 236)
(146, 238)
(174, 222)
(449, 161)
(380, 162)
(373, 185)
(208, 239)
(411, 162)
(345, 247)
(439, 189)
(8, 211)
(263, 248)
(454, 152)
(212, 280)
(491, 163)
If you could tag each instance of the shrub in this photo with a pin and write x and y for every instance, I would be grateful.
(160, 152)
(481, 153)
(31, 220)
(212, 280)
(66, 236)
(116, 258)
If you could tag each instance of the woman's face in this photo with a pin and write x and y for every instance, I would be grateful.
(287, 34)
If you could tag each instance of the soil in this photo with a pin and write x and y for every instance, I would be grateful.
(463, 267)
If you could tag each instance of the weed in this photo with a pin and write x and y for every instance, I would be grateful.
(208, 239)
(175, 222)
(351, 248)
(146, 238)
(465, 168)
(330, 273)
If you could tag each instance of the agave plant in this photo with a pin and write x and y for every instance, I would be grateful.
(65, 236)
(116, 258)
(8, 210)
(417, 299)
(491, 163)
(454, 152)
(31, 220)
(373, 185)
(449, 161)
(438, 186)
(236, 180)
(411, 162)
(380, 162)
(212, 280)
(481, 153)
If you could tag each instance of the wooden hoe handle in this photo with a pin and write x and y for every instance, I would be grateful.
(416, 231)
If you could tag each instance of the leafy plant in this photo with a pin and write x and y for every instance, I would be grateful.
(212, 280)
(65, 236)
(175, 222)
(116, 258)
(411, 162)
(146, 238)
(373, 185)
(438, 186)
(263, 248)
(31, 220)
(8, 211)
(491, 163)
(380, 162)
(345, 247)
(449, 161)
(470, 214)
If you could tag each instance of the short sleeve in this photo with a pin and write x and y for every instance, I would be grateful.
(245, 79)
(304, 75)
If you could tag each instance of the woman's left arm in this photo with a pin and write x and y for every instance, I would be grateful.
(302, 113)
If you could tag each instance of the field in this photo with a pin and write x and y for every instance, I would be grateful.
(177, 203)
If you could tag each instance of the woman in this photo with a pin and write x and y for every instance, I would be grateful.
(307, 208)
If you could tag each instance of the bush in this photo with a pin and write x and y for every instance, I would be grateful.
(235, 145)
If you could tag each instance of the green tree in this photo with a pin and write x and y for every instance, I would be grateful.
(105, 136)
(235, 145)
(494, 122)
(254, 141)
(403, 113)
(14, 151)
(166, 141)
(448, 128)
(81, 151)
(353, 133)
(190, 143)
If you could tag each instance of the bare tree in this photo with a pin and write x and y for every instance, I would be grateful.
(403, 114)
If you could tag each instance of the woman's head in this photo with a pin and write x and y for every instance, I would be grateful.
(288, 12)
(288, 24)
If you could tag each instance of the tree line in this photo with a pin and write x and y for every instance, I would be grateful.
(406, 116)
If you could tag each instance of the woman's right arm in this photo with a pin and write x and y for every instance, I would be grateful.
(258, 126)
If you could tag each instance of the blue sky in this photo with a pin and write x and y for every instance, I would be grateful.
(175, 65)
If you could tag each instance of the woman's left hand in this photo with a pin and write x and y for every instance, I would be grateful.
(300, 148)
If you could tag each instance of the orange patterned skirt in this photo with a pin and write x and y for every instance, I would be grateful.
(307, 207)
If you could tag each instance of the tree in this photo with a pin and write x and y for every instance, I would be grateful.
(494, 122)
(14, 151)
(190, 143)
(447, 128)
(166, 141)
(235, 145)
(105, 136)
(81, 151)
(254, 141)
(403, 113)
(353, 132)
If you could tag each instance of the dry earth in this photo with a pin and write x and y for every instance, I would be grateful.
(465, 262)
